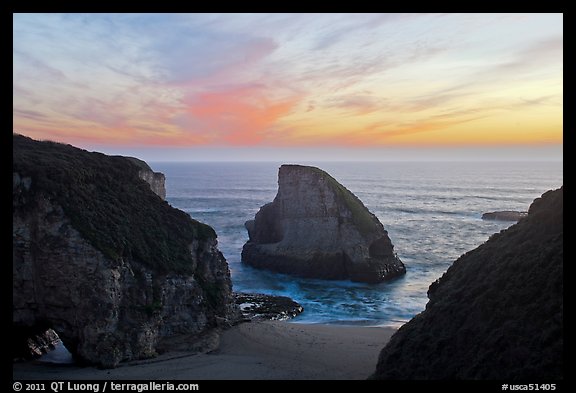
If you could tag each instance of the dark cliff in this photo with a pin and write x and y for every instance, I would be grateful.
(317, 228)
(497, 313)
(103, 260)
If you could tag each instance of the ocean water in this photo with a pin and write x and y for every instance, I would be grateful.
(431, 210)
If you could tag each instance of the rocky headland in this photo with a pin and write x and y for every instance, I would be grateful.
(497, 313)
(317, 228)
(102, 259)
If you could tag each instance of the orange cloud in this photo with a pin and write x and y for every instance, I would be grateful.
(237, 115)
(134, 132)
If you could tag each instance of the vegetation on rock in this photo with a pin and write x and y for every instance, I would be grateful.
(365, 221)
(497, 313)
(109, 204)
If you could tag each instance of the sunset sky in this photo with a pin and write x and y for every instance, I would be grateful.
(252, 86)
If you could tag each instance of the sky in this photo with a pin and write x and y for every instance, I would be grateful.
(280, 86)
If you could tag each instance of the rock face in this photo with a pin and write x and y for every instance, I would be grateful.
(156, 180)
(497, 313)
(316, 228)
(504, 215)
(103, 261)
(27, 344)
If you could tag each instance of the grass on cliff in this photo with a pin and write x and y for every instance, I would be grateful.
(361, 216)
(108, 204)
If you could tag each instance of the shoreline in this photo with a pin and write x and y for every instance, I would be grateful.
(250, 350)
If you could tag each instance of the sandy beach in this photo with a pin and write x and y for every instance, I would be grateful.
(255, 350)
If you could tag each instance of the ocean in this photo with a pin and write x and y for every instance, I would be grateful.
(431, 210)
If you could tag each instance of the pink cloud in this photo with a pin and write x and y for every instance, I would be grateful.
(238, 115)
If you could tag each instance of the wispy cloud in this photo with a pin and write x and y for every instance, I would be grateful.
(536, 57)
(273, 79)
(28, 114)
(358, 104)
(197, 58)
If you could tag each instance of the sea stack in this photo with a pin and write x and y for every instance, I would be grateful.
(317, 228)
(497, 313)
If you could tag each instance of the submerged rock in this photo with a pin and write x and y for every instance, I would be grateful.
(258, 306)
(504, 215)
(497, 313)
(316, 228)
(105, 262)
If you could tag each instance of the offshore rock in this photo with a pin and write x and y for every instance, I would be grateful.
(317, 228)
(497, 313)
(504, 215)
(102, 260)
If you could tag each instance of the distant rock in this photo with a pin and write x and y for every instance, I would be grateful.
(258, 306)
(504, 215)
(103, 261)
(497, 313)
(316, 228)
